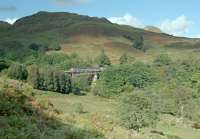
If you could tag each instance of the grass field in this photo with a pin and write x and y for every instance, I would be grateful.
(101, 114)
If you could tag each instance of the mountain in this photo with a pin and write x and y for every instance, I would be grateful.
(81, 34)
(62, 25)
(46, 21)
(4, 26)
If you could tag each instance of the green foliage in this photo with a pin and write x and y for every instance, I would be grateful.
(49, 79)
(123, 59)
(81, 83)
(52, 59)
(186, 103)
(137, 111)
(63, 61)
(3, 64)
(61, 82)
(141, 109)
(162, 60)
(19, 119)
(195, 79)
(114, 79)
(17, 71)
(138, 42)
(117, 79)
(183, 73)
(55, 46)
(141, 76)
(177, 100)
(103, 60)
(126, 59)
(38, 47)
(22, 117)
(16, 51)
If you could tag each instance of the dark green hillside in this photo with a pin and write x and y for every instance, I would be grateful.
(4, 26)
(45, 21)
(48, 26)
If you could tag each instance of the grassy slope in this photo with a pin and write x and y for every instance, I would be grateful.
(22, 116)
(87, 46)
(101, 114)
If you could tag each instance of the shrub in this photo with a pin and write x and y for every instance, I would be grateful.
(22, 117)
(19, 119)
(138, 42)
(181, 102)
(162, 60)
(141, 76)
(55, 46)
(116, 79)
(52, 59)
(113, 79)
(103, 60)
(125, 59)
(137, 111)
(18, 71)
(16, 51)
(186, 102)
(38, 47)
(63, 61)
(3, 64)
(81, 83)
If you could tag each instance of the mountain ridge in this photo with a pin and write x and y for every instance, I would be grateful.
(72, 24)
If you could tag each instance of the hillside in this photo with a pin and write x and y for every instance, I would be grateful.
(84, 35)
(23, 116)
(65, 25)
(153, 29)
(147, 84)
(4, 26)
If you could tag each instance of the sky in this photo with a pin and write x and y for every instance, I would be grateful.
(176, 17)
